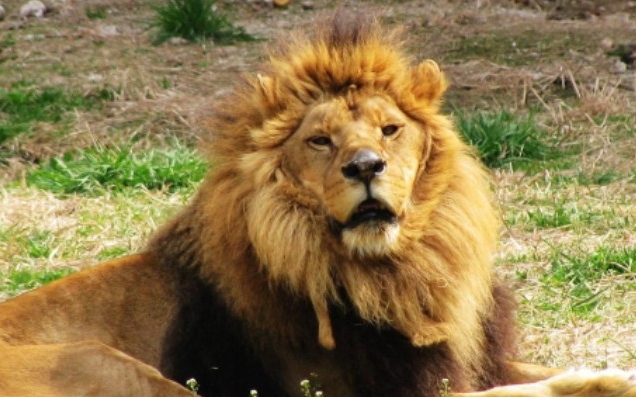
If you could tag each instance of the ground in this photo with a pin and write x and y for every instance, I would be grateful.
(569, 244)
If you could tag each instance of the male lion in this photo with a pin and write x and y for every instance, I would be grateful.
(345, 230)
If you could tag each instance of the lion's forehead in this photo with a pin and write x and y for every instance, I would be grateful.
(336, 114)
(327, 116)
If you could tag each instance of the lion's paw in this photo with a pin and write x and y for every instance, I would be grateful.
(579, 383)
(586, 383)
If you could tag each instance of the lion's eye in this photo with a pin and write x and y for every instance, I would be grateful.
(390, 129)
(320, 140)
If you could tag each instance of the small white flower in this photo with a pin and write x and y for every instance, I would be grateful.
(192, 384)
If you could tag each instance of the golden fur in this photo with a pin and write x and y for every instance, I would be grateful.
(341, 206)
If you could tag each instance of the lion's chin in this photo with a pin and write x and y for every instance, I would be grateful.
(371, 230)
(371, 238)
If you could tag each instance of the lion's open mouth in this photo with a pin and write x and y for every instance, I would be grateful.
(370, 210)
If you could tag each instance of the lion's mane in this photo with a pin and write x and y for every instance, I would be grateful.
(263, 242)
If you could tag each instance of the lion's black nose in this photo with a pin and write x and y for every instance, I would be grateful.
(365, 165)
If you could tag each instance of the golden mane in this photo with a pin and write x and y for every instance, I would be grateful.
(258, 233)
(307, 68)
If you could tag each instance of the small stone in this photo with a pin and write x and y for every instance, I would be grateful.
(177, 41)
(618, 67)
(33, 8)
(34, 37)
(95, 78)
(307, 5)
(606, 44)
(2, 12)
(107, 31)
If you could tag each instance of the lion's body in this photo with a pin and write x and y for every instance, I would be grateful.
(277, 324)
(345, 230)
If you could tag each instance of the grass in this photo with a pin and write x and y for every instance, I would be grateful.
(41, 231)
(96, 171)
(504, 138)
(24, 104)
(555, 217)
(7, 41)
(569, 216)
(195, 21)
(20, 280)
(519, 48)
(38, 244)
(580, 287)
(604, 261)
(584, 278)
(96, 12)
(589, 178)
(34, 243)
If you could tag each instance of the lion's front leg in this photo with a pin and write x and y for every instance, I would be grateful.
(79, 369)
(581, 383)
(517, 372)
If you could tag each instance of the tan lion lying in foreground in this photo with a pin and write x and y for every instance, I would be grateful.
(345, 230)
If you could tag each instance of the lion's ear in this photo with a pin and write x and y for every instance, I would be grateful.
(267, 87)
(429, 81)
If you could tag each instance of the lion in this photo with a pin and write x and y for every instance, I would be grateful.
(345, 230)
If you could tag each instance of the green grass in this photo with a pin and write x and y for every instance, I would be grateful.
(556, 217)
(604, 261)
(96, 12)
(111, 253)
(7, 41)
(96, 171)
(51, 231)
(24, 104)
(601, 178)
(579, 177)
(580, 275)
(195, 21)
(17, 281)
(39, 244)
(569, 216)
(31, 242)
(518, 48)
(504, 138)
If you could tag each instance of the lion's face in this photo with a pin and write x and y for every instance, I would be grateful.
(360, 157)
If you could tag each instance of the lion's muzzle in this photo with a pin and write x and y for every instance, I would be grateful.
(365, 166)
